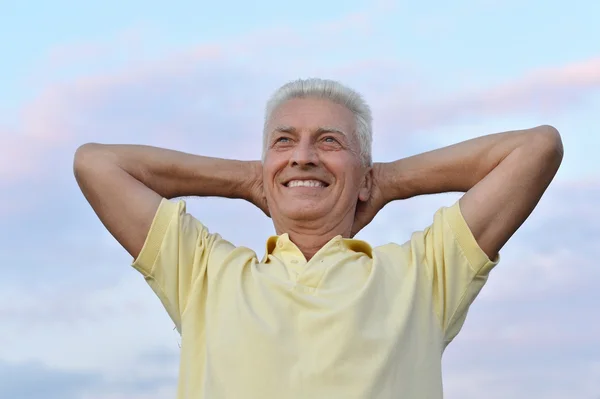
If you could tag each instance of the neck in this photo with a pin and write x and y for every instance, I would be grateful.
(311, 236)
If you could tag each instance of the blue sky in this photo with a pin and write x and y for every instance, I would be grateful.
(79, 323)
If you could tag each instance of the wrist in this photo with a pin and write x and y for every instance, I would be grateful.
(251, 180)
(392, 180)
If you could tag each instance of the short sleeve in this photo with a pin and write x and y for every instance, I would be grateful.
(456, 266)
(176, 256)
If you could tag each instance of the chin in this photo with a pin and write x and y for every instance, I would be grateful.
(303, 212)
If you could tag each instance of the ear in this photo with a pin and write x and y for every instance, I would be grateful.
(364, 194)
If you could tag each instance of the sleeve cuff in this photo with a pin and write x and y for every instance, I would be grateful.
(165, 213)
(476, 257)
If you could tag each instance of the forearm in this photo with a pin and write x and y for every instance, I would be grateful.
(177, 174)
(456, 168)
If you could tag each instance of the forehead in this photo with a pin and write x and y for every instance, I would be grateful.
(312, 114)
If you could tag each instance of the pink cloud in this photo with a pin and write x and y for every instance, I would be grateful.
(544, 91)
(44, 124)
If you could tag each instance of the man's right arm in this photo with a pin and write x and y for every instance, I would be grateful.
(125, 184)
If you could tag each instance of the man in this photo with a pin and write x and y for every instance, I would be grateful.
(321, 315)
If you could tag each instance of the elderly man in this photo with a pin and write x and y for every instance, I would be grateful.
(321, 315)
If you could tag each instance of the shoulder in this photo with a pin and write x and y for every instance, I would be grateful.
(177, 236)
(446, 238)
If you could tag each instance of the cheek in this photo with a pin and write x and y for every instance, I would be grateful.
(347, 170)
(274, 160)
(270, 169)
(353, 179)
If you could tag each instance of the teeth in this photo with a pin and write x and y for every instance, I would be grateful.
(305, 183)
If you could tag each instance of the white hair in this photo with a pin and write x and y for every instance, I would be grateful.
(335, 92)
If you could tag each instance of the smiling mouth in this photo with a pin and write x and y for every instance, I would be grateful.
(306, 183)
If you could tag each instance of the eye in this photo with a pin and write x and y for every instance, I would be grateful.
(282, 139)
(329, 139)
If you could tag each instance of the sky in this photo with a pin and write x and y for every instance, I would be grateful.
(78, 322)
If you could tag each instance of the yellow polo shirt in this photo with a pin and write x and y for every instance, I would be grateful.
(353, 322)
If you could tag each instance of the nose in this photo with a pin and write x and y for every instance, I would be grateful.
(304, 155)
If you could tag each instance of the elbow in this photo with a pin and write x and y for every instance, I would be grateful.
(87, 148)
(87, 155)
(546, 141)
(82, 155)
(548, 138)
(547, 135)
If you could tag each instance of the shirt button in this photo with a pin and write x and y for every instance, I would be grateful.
(294, 261)
(280, 244)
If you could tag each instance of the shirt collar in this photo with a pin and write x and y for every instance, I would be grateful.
(282, 243)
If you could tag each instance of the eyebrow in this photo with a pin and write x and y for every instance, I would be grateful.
(320, 130)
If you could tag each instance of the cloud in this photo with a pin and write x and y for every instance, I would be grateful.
(33, 380)
(544, 91)
(543, 348)
(548, 380)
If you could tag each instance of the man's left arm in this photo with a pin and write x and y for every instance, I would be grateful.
(503, 175)
(499, 204)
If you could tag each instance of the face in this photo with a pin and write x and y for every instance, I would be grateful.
(312, 169)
